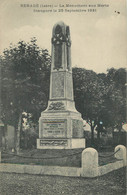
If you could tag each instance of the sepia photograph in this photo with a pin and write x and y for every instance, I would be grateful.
(63, 87)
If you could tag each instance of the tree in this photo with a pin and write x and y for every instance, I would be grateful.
(100, 98)
(115, 98)
(25, 81)
(88, 96)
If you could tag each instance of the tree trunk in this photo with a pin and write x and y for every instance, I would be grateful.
(98, 134)
(5, 137)
(98, 138)
(92, 135)
(119, 133)
(25, 140)
(18, 130)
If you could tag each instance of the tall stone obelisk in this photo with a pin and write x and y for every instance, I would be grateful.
(61, 125)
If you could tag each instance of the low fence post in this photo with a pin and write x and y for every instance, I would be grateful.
(89, 163)
(121, 153)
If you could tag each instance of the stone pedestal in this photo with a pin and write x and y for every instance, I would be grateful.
(60, 130)
(61, 125)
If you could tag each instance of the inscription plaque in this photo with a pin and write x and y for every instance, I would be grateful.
(54, 128)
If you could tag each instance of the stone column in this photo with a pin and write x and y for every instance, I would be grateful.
(61, 125)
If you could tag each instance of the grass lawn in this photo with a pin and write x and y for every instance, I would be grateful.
(68, 158)
(113, 183)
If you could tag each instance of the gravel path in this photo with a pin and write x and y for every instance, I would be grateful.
(17, 184)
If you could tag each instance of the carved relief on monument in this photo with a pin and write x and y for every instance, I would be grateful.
(57, 85)
(68, 45)
(57, 41)
(58, 38)
(56, 106)
(68, 58)
(53, 142)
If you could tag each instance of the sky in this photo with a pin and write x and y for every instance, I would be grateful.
(99, 39)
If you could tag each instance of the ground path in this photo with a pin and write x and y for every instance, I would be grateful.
(17, 184)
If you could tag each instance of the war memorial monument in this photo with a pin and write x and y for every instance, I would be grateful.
(61, 125)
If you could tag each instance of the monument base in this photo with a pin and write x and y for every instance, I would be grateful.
(61, 127)
(60, 143)
(60, 130)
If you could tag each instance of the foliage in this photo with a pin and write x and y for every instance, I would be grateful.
(25, 78)
(115, 98)
(100, 98)
(88, 92)
(25, 81)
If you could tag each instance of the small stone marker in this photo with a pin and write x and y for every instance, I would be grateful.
(89, 163)
(61, 125)
(121, 153)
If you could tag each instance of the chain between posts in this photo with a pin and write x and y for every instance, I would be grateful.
(30, 157)
(110, 154)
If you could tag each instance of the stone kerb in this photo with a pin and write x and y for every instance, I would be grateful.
(89, 163)
(121, 153)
